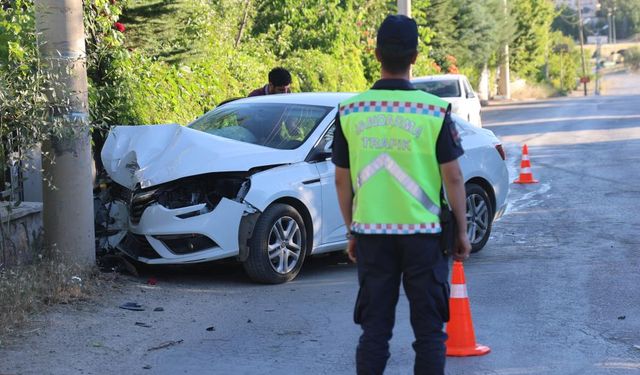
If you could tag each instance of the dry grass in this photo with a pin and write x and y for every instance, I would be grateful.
(28, 289)
(533, 91)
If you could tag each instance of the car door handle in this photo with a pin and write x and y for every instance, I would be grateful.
(309, 182)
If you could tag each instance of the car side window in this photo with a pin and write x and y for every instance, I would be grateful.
(326, 143)
(323, 148)
(468, 89)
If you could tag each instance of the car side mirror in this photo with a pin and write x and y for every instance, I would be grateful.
(470, 95)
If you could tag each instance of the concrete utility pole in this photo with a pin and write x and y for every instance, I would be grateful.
(68, 204)
(613, 23)
(505, 84)
(581, 32)
(404, 7)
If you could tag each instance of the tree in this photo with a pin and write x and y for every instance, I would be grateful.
(436, 19)
(626, 13)
(566, 21)
(529, 48)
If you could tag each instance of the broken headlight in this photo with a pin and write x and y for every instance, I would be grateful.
(207, 189)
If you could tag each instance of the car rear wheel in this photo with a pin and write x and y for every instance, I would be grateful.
(479, 216)
(278, 246)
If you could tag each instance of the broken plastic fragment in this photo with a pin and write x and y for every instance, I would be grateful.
(132, 306)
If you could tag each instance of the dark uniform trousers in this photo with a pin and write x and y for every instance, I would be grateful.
(384, 260)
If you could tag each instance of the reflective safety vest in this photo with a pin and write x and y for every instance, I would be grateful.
(392, 137)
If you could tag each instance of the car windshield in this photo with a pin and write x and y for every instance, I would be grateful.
(443, 89)
(282, 126)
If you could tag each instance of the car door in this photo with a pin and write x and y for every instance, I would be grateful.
(472, 102)
(333, 228)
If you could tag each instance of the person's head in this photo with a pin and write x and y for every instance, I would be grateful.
(279, 81)
(397, 44)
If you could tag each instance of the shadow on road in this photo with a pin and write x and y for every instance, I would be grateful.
(231, 273)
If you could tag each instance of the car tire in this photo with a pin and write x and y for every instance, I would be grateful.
(479, 216)
(278, 246)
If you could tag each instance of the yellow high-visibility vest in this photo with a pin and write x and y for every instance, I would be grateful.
(392, 136)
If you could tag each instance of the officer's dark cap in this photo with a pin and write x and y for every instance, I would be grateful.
(398, 34)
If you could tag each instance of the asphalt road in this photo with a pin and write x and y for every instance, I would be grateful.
(556, 290)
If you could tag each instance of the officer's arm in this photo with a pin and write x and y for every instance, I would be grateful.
(345, 193)
(454, 185)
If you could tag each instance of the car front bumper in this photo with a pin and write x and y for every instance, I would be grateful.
(183, 235)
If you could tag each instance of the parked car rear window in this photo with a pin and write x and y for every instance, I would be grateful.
(443, 89)
(281, 126)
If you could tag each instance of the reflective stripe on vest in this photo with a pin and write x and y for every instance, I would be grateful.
(392, 107)
(384, 161)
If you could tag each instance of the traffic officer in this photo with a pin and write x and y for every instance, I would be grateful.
(393, 148)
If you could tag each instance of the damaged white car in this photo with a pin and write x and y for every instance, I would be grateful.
(252, 180)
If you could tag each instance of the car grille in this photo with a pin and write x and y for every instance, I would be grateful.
(140, 200)
(186, 243)
(137, 246)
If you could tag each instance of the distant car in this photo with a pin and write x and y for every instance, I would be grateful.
(253, 180)
(455, 89)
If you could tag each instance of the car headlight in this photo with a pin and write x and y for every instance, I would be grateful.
(207, 189)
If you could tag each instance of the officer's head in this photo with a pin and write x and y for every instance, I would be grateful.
(397, 43)
(279, 81)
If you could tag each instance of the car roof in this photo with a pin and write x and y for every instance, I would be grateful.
(439, 77)
(314, 98)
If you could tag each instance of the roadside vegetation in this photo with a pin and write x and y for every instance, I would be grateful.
(29, 289)
(632, 58)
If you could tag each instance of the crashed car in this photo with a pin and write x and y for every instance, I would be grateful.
(253, 180)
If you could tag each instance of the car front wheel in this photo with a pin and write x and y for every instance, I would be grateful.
(479, 216)
(278, 246)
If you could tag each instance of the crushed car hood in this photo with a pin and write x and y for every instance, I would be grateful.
(149, 155)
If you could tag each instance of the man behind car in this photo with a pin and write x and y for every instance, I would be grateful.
(279, 83)
(391, 146)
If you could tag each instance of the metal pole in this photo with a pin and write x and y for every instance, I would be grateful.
(584, 64)
(613, 21)
(610, 32)
(68, 195)
(404, 7)
(505, 84)
(598, 50)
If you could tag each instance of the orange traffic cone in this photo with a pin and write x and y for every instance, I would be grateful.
(462, 339)
(526, 177)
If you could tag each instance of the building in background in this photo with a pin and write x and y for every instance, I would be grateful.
(589, 7)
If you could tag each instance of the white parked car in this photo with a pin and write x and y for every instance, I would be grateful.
(252, 180)
(455, 89)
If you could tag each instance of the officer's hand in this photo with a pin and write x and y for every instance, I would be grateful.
(351, 250)
(462, 247)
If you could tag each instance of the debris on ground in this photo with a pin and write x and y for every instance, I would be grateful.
(212, 328)
(622, 317)
(147, 367)
(132, 306)
(158, 309)
(152, 281)
(165, 344)
(116, 263)
(142, 324)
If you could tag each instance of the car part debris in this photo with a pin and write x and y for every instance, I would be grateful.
(142, 324)
(132, 306)
(165, 344)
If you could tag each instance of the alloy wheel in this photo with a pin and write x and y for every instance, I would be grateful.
(477, 218)
(285, 245)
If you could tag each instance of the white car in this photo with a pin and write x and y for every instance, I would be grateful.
(455, 89)
(253, 180)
